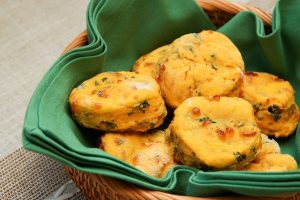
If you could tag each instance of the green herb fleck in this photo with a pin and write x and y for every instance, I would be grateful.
(212, 56)
(256, 107)
(97, 83)
(191, 49)
(86, 114)
(119, 141)
(275, 112)
(142, 107)
(172, 138)
(102, 93)
(145, 104)
(239, 157)
(151, 125)
(175, 150)
(143, 123)
(205, 119)
(107, 125)
(254, 150)
(213, 67)
(132, 76)
(104, 79)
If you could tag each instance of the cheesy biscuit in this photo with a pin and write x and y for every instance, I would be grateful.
(148, 152)
(214, 133)
(274, 104)
(118, 101)
(204, 64)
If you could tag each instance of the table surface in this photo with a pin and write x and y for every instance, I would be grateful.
(32, 35)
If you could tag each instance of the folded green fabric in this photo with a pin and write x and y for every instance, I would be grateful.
(119, 32)
(189, 186)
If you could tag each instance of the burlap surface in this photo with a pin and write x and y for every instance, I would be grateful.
(32, 35)
(27, 175)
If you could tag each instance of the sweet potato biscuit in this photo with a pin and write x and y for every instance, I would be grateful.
(273, 100)
(214, 133)
(148, 152)
(148, 64)
(203, 64)
(273, 162)
(118, 101)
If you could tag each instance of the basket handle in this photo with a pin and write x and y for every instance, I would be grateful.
(234, 8)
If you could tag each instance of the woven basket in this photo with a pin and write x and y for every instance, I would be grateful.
(100, 187)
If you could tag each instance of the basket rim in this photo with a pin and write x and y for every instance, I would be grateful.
(234, 8)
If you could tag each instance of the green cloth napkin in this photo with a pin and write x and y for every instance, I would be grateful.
(119, 32)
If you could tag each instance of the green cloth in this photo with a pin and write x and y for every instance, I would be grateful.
(119, 32)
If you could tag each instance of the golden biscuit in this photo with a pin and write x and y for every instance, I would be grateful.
(273, 162)
(270, 159)
(274, 104)
(204, 64)
(118, 101)
(148, 152)
(148, 64)
(214, 133)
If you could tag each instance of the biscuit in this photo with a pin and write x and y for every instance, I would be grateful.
(148, 152)
(117, 102)
(204, 64)
(148, 64)
(269, 158)
(273, 162)
(214, 133)
(274, 104)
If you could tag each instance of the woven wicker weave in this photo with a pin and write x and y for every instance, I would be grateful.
(100, 187)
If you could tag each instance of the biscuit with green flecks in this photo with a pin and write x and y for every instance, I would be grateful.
(117, 102)
(269, 158)
(274, 104)
(204, 64)
(148, 152)
(214, 133)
